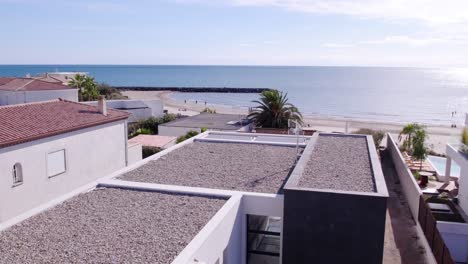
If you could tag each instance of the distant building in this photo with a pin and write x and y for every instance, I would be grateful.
(26, 90)
(48, 149)
(139, 109)
(62, 77)
(213, 122)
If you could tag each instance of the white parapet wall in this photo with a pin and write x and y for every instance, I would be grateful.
(411, 190)
(408, 182)
(135, 153)
(454, 154)
(220, 241)
(21, 97)
(455, 236)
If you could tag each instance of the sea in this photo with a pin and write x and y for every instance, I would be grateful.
(436, 96)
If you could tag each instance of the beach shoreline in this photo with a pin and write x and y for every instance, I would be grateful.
(439, 135)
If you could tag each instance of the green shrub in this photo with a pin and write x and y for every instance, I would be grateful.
(149, 151)
(110, 92)
(377, 135)
(204, 129)
(416, 175)
(148, 126)
(189, 134)
(209, 110)
(464, 137)
(167, 118)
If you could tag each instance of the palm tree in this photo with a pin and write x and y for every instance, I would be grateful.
(87, 86)
(419, 148)
(408, 132)
(78, 82)
(273, 110)
(90, 92)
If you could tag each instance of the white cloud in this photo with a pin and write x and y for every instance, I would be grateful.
(428, 11)
(400, 40)
(337, 45)
(406, 40)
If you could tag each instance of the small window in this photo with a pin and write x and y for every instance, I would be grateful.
(56, 163)
(17, 174)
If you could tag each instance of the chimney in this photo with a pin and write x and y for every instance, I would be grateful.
(102, 106)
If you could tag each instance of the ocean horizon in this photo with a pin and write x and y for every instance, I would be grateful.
(388, 94)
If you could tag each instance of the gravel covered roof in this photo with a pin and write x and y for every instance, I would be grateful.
(109, 226)
(232, 166)
(339, 163)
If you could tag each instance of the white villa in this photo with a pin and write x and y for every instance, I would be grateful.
(48, 149)
(26, 90)
(62, 77)
(138, 109)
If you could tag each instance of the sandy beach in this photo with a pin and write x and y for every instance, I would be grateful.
(439, 135)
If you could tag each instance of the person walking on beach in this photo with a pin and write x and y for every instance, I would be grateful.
(205, 103)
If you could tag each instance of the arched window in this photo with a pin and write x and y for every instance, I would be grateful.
(17, 174)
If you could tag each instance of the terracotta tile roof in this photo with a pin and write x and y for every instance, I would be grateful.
(29, 84)
(5, 80)
(28, 122)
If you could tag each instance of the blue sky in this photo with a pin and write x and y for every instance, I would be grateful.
(236, 32)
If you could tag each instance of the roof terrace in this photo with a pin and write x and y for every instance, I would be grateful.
(110, 226)
(242, 166)
(340, 163)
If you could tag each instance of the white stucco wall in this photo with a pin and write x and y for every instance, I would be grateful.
(453, 153)
(408, 182)
(154, 108)
(224, 239)
(157, 107)
(135, 154)
(138, 114)
(9, 98)
(90, 154)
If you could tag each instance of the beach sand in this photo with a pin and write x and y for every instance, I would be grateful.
(439, 135)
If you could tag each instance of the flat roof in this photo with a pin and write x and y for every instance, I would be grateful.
(152, 140)
(207, 120)
(339, 162)
(221, 165)
(110, 226)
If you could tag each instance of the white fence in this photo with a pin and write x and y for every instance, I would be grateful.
(408, 182)
(411, 190)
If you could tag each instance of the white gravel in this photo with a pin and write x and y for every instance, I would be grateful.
(339, 163)
(109, 226)
(232, 166)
